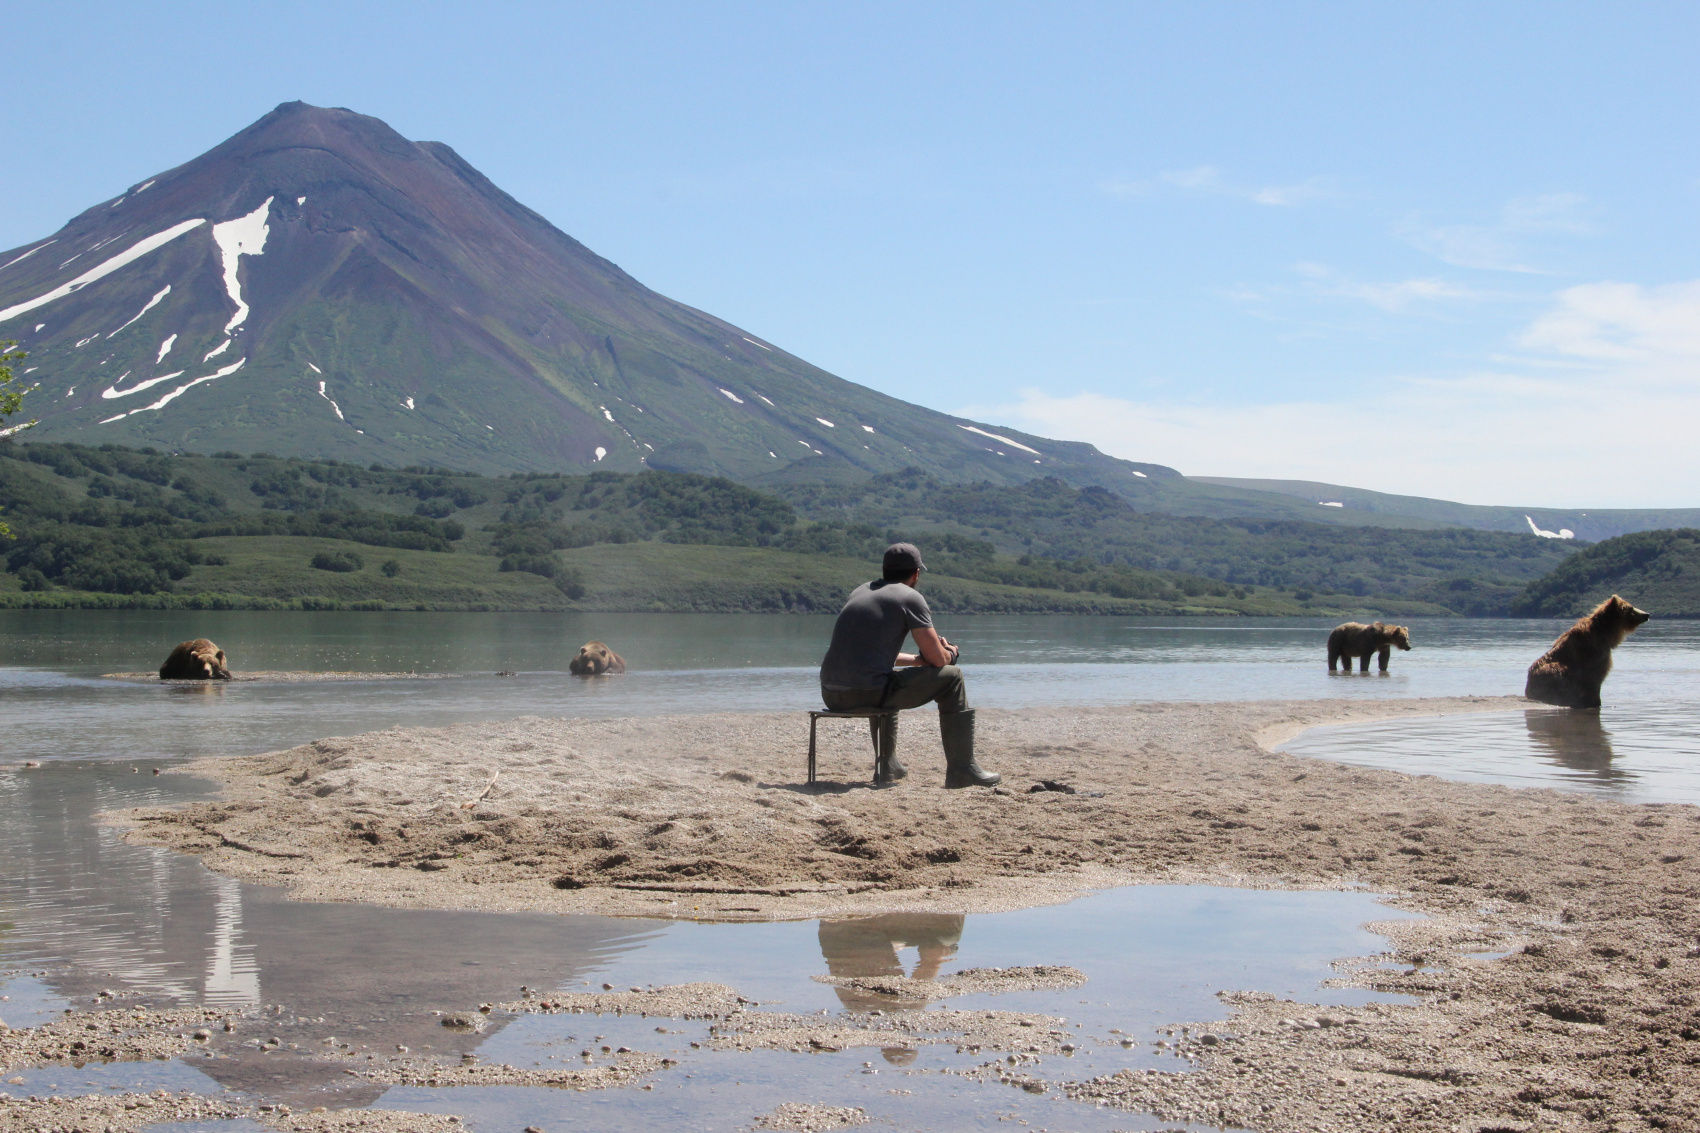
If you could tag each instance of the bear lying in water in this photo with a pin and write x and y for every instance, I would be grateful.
(595, 658)
(197, 660)
(1571, 672)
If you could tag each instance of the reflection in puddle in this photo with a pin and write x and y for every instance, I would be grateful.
(1639, 752)
(871, 946)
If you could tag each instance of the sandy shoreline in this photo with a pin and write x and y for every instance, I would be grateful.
(1584, 1014)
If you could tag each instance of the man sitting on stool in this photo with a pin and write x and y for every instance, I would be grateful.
(864, 667)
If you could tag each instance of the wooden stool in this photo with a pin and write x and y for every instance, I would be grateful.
(875, 715)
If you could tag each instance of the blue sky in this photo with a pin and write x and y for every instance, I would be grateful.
(1438, 249)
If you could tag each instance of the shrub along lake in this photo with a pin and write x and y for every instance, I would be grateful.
(82, 912)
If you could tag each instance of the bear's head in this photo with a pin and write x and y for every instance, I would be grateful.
(211, 660)
(1619, 615)
(593, 659)
(1397, 636)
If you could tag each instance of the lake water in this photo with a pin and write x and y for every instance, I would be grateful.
(81, 911)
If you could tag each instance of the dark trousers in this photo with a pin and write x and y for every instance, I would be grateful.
(908, 687)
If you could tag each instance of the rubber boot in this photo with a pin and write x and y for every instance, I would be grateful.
(886, 767)
(956, 729)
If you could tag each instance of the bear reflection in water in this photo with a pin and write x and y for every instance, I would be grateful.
(867, 948)
(1576, 740)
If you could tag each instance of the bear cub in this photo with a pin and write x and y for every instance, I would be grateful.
(1571, 672)
(1354, 639)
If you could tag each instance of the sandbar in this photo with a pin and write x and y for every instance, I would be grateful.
(1554, 980)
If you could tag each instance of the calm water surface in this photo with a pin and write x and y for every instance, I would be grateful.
(81, 911)
(59, 703)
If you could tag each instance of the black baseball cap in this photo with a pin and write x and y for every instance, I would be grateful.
(902, 560)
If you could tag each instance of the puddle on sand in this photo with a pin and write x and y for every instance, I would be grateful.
(84, 913)
(1635, 752)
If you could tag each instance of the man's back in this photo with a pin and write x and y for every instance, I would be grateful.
(869, 633)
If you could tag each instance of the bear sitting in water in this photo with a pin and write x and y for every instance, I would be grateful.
(1571, 672)
(1354, 639)
(197, 660)
(595, 658)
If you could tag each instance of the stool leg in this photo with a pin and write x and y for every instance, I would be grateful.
(813, 721)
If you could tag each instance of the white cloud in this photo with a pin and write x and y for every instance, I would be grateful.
(1422, 296)
(1608, 428)
(1503, 245)
(1209, 179)
(1203, 177)
(1396, 296)
(1302, 193)
(1621, 322)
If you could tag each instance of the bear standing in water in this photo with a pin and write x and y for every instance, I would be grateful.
(1571, 672)
(1354, 639)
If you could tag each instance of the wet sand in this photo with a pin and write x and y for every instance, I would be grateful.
(1555, 979)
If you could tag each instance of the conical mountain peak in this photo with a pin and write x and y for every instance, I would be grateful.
(319, 285)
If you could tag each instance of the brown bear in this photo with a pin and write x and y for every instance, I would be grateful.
(1571, 672)
(197, 660)
(595, 658)
(1354, 639)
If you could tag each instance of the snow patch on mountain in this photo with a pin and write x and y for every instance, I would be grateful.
(27, 254)
(113, 391)
(1561, 533)
(176, 393)
(106, 268)
(151, 304)
(1001, 439)
(164, 349)
(244, 236)
(334, 405)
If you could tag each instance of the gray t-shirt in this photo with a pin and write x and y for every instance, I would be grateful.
(869, 634)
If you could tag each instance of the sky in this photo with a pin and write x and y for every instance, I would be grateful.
(1444, 250)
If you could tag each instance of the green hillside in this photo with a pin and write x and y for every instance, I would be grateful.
(1658, 571)
(1455, 570)
(115, 526)
(1361, 505)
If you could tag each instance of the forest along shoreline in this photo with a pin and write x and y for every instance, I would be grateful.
(1555, 977)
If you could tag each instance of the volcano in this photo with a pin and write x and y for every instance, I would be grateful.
(320, 286)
